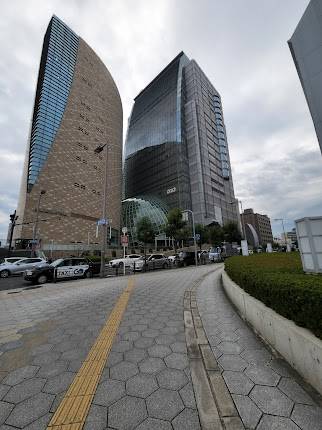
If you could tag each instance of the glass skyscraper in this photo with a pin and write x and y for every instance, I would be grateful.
(77, 108)
(55, 78)
(176, 147)
(156, 159)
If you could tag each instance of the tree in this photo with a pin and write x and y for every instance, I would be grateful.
(145, 232)
(175, 224)
(216, 234)
(203, 233)
(231, 232)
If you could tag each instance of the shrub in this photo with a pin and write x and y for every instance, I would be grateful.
(279, 281)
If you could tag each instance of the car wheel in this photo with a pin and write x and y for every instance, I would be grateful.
(121, 265)
(42, 279)
(185, 264)
(164, 266)
(4, 274)
(87, 274)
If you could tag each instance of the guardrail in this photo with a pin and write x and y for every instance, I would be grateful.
(132, 270)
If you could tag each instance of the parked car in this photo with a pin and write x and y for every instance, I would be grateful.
(19, 266)
(10, 260)
(203, 256)
(173, 259)
(127, 261)
(186, 258)
(153, 261)
(215, 254)
(63, 268)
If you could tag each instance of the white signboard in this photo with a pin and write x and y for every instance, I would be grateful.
(309, 235)
(244, 247)
(269, 248)
(71, 272)
(171, 190)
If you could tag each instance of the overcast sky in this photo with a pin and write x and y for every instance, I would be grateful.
(240, 44)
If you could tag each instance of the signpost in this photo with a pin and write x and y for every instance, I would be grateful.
(125, 243)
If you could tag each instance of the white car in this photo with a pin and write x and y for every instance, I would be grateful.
(152, 261)
(126, 261)
(214, 254)
(173, 258)
(19, 266)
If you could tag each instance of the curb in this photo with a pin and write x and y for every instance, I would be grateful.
(215, 405)
(297, 345)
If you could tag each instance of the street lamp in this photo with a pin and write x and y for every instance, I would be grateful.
(34, 232)
(103, 221)
(194, 232)
(282, 221)
(242, 218)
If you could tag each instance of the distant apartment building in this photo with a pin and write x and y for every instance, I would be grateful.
(289, 237)
(77, 109)
(176, 149)
(306, 48)
(258, 228)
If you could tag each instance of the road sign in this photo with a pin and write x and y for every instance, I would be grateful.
(124, 240)
(197, 236)
(124, 230)
(102, 221)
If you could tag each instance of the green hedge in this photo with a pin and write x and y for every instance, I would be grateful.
(279, 281)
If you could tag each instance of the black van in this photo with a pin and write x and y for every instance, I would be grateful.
(186, 258)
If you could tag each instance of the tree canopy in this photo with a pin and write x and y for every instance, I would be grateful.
(145, 230)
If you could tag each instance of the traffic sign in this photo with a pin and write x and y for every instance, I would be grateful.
(124, 240)
(102, 221)
(124, 230)
(197, 236)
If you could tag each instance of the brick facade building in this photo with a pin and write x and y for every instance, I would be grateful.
(77, 109)
(261, 224)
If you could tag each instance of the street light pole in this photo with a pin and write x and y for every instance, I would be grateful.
(34, 233)
(242, 218)
(194, 234)
(239, 202)
(104, 220)
(282, 220)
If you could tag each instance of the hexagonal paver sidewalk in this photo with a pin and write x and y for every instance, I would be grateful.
(268, 394)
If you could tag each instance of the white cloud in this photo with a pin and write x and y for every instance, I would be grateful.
(241, 46)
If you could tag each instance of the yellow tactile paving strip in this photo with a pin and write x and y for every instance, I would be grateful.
(73, 409)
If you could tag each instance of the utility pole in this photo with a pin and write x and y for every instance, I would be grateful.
(194, 233)
(103, 221)
(282, 221)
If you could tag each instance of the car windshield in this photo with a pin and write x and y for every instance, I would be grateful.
(56, 262)
(147, 257)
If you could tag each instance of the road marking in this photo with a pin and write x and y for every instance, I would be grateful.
(73, 409)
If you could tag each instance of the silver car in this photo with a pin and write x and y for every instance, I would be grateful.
(10, 260)
(153, 261)
(19, 266)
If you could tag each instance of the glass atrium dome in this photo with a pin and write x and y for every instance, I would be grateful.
(135, 208)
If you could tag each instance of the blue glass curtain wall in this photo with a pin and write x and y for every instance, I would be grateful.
(54, 82)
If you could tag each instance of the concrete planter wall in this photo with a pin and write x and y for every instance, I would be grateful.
(300, 348)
